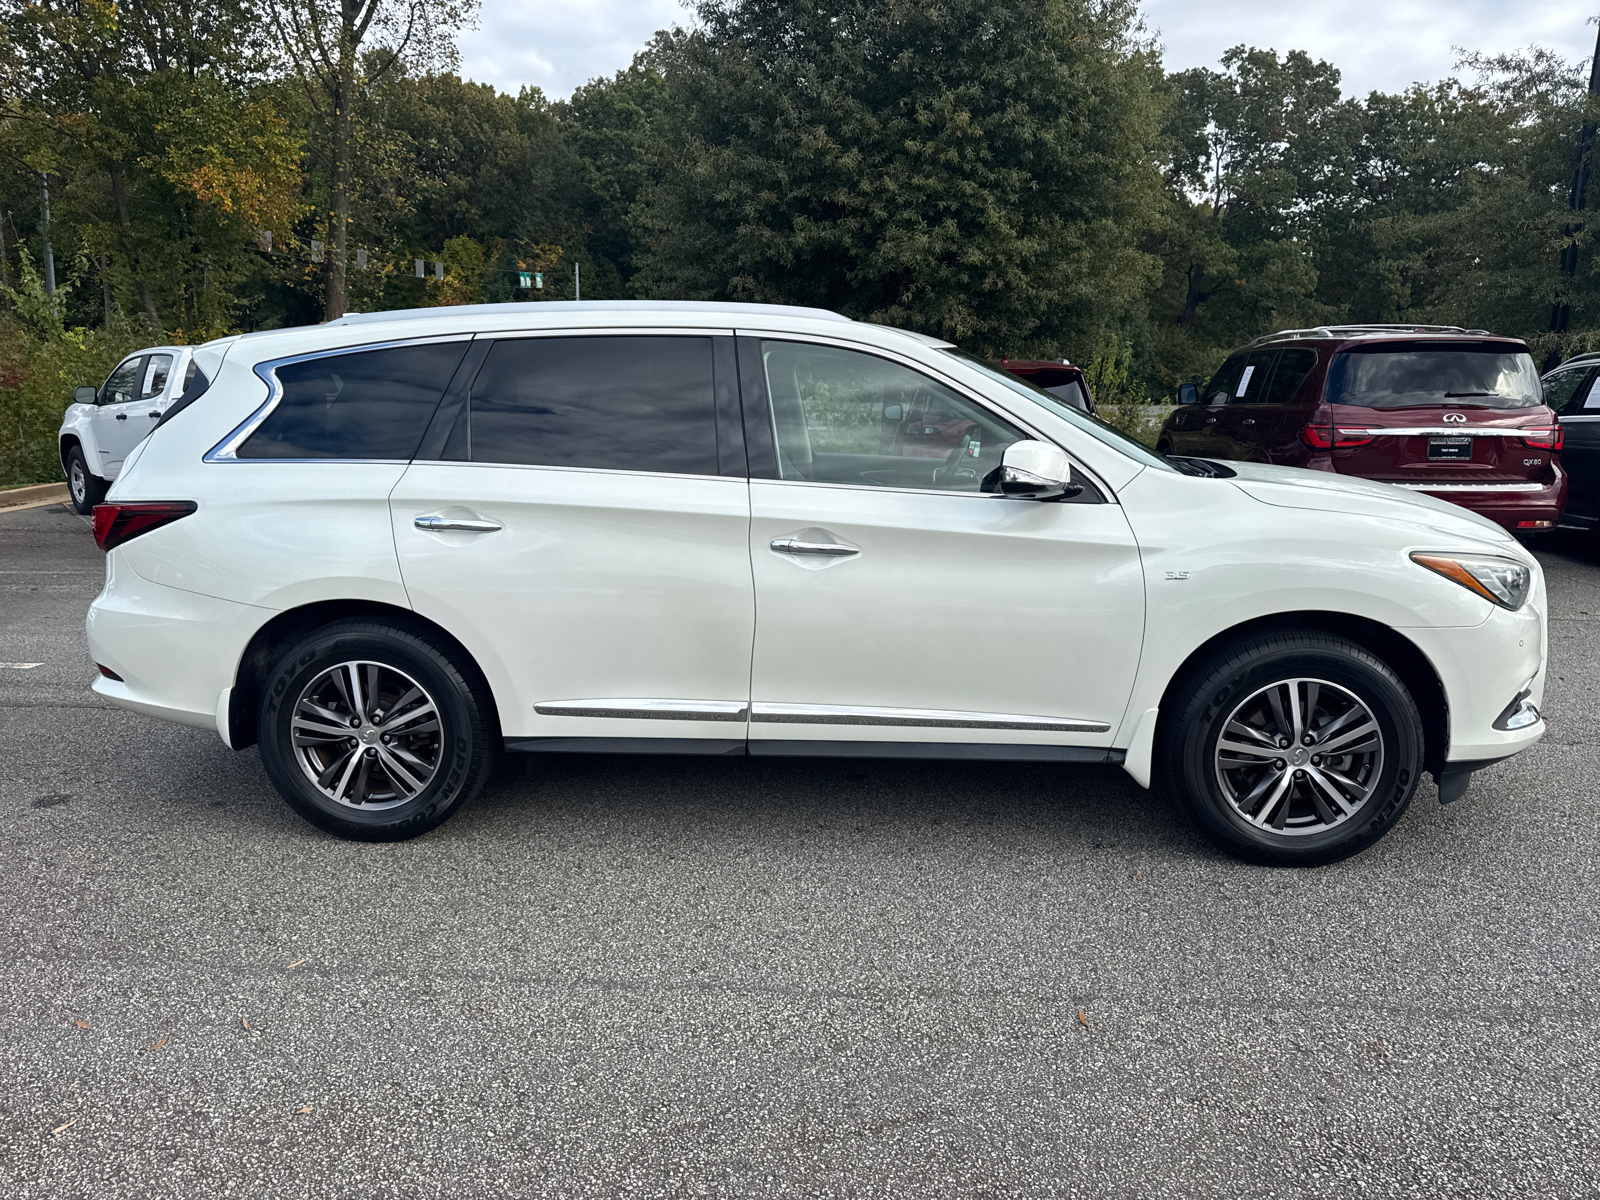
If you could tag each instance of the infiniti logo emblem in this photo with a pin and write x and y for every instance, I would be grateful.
(1459, 418)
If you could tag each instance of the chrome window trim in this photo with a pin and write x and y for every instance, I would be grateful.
(923, 368)
(227, 450)
(646, 709)
(1581, 415)
(1467, 487)
(928, 718)
(740, 480)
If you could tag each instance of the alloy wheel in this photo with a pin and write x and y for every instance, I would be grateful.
(367, 735)
(1299, 756)
(76, 481)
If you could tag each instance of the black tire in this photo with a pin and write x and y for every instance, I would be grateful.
(1227, 684)
(85, 489)
(462, 758)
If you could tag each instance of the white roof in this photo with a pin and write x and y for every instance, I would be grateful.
(584, 316)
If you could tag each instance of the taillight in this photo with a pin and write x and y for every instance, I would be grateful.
(1320, 437)
(1544, 438)
(118, 523)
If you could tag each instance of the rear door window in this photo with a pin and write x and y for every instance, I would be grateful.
(1561, 390)
(1221, 388)
(367, 404)
(1251, 385)
(157, 368)
(1291, 371)
(603, 403)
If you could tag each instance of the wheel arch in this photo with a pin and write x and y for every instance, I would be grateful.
(1399, 652)
(283, 630)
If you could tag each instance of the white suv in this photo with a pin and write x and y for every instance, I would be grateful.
(102, 425)
(390, 547)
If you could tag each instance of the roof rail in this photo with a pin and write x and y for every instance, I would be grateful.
(1333, 331)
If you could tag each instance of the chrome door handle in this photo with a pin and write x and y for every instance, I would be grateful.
(826, 549)
(1248, 421)
(460, 524)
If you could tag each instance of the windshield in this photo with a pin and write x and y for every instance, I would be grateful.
(1431, 376)
(1093, 426)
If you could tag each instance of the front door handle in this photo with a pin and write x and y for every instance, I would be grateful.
(1248, 421)
(460, 524)
(825, 549)
(122, 416)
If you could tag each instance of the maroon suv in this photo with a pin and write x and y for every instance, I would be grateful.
(1456, 413)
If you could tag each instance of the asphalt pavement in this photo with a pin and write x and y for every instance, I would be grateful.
(626, 976)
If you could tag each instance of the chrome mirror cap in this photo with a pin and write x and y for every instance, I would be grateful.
(1035, 471)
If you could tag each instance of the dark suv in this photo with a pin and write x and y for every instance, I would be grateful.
(1456, 413)
(1572, 390)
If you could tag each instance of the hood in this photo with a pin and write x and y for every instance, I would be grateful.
(1292, 487)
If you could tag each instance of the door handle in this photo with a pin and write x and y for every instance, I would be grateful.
(122, 416)
(825, 549)
(460, 524)
(154, 416)
(1210, 421)
(1248, 421)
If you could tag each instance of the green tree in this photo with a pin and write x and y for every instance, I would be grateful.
(977, 169)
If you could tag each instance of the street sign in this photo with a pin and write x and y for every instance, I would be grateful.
(538, 279)
(525, 279)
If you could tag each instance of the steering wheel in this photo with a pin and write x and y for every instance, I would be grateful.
(954, 473)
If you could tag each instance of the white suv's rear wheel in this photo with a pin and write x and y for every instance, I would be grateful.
(373, 732)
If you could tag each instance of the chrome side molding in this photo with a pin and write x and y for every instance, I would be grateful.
(928, 718)
(645, 709)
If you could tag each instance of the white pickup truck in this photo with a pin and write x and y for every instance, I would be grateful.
(102, 425)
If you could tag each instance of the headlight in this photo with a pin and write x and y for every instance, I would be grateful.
(1499, 580)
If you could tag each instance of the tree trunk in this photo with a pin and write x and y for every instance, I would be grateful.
(1192, 295)
(119, 193)
(337, 301)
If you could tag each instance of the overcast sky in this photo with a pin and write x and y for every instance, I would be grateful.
(1377, 44)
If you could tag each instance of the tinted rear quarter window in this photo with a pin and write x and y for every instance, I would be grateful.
(1291, 371)
(368, 404)
(602, 403)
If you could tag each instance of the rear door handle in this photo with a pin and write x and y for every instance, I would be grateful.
(825, 549)
(122, 416)
(154, 416)
(460, 524)
(1248, 421)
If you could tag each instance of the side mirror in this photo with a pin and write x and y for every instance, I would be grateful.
(83, 394)
(1034, 471)
(892, 412)
(1188, 393)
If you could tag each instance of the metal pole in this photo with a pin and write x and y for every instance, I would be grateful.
(577, 282)
(49, 254)
(1578, 199)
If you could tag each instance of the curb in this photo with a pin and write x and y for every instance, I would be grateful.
(41, 493)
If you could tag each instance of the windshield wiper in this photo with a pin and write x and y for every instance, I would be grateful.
(1454, 395)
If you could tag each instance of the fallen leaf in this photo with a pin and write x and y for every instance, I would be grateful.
(1136, 874)
(1083, 1018)
(158, 1045)
(306, 1109)
(81, 1024)
(293, 965)
(68, 1125)
(245, 1021)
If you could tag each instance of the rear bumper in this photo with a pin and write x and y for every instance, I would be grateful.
(176, 651)
(1511, 505)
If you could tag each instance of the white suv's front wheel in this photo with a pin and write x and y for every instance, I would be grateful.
(372, 731)
(1295, 749)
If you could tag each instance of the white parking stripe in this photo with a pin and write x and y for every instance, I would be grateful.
(19, 666)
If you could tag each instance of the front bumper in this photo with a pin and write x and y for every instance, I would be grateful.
(1484, 669)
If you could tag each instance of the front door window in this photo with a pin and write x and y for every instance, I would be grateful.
(841, 416)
